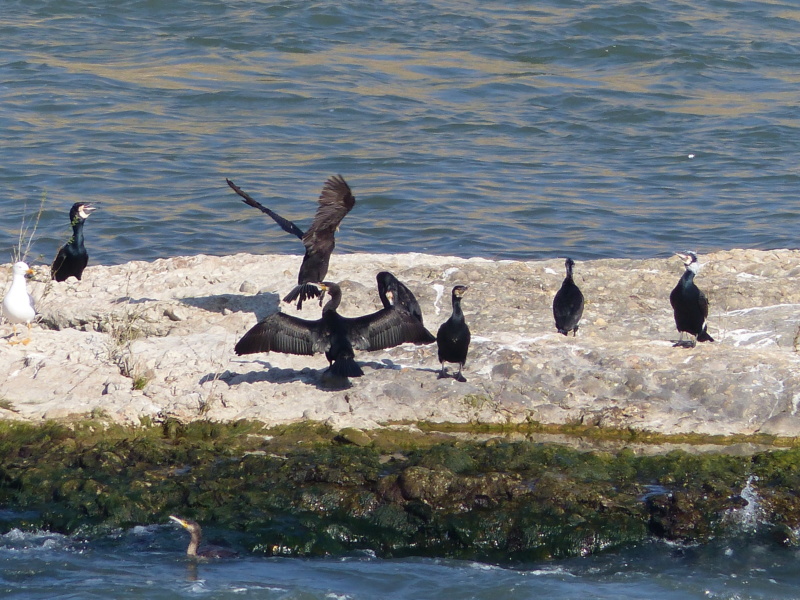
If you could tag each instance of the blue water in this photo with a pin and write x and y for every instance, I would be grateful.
(497, 129)
(146, 562)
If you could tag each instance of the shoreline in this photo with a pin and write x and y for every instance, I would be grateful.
(154, 340)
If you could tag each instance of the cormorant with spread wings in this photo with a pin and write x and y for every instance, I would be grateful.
(337, 336)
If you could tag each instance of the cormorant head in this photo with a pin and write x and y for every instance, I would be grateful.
(689, 259)
(191, 526)
(569, 264)
(459, 291)
(80, 211)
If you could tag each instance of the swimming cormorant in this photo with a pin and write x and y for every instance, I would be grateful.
(72, 258)
(335, 201)
(18, 306)
(402, 297)
(453, 337)
(197, 534)
(568, 303)
(690, 305)
(333, 334)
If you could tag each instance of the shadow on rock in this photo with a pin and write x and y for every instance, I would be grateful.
(261, 304)
(320, 379)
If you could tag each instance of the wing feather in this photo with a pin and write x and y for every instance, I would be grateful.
(386, 328)
(284, 333)
(335, 201)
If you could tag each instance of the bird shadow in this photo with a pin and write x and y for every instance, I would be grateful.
(318, 378)
(262, 304)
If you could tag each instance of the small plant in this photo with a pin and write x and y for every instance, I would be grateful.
(25, 240)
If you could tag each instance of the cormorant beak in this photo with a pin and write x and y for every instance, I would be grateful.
(687, 260)
(180, 521)
(86, 210)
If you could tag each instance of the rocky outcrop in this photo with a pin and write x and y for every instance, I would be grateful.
(152, 340)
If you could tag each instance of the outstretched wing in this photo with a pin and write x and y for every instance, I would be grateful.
(284, 333)
(285, 224)
(386, 328)
(404, 298)
(335, 201)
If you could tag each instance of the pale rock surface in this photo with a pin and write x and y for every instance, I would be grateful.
(156, 340)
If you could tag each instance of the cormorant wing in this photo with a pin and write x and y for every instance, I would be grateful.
(702, 300)
(335, 201)
(285, 224)
(284, 333)
(404, 298)
(386, 328)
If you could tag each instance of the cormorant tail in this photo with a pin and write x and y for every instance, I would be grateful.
(704, 337)
(301, 293)
(346, 367)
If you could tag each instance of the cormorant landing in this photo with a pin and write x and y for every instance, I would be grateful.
(453, 337)
(568, 303)
(335, 201)
(72, 258)
(333, 334)
(18, 305)
(690, 305)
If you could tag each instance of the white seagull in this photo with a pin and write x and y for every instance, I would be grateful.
(17, 304)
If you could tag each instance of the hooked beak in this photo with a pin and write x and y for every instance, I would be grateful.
(179, 521)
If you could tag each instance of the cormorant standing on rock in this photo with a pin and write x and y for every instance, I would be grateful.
(568, 303)
(335, 201)
(18, 305)
(690, 305)
(197, 534)
(403, 298)
(453, 337)
(333, 334)
(72, 258)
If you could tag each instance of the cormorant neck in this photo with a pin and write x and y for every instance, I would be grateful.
(569, 273)
(457, 307)
(77, 232)
(194, 544)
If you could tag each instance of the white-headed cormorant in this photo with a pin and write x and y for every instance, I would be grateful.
(18, 305)
(335, 201)
(72, 258)
(568, 303)
(453, 337)
(690, 305)
(402, 297)
(333, 334)
(197, 534)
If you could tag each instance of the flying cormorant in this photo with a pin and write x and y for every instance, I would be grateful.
(402, 297)
(333, 334)
(690, 305)
(568, 303)
(197, 534)
(335, 201)
(453, 337)
(72, 258)
(18, 305)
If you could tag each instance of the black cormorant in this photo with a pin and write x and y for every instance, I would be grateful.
(72, 258)
(333, 334)
(690, 305)
(402, 297)
(335, 201)
(453, 337)
(197, 534)
(568, 303)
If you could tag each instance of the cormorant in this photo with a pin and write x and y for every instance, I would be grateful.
(333, 334)
(72, 258)
(690, 305)
(335, 201)
(18, 306)
(453, 337)
(194, 529)
(568, 303)
(402, 297)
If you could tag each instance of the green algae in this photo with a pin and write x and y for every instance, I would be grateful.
(307, 490)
